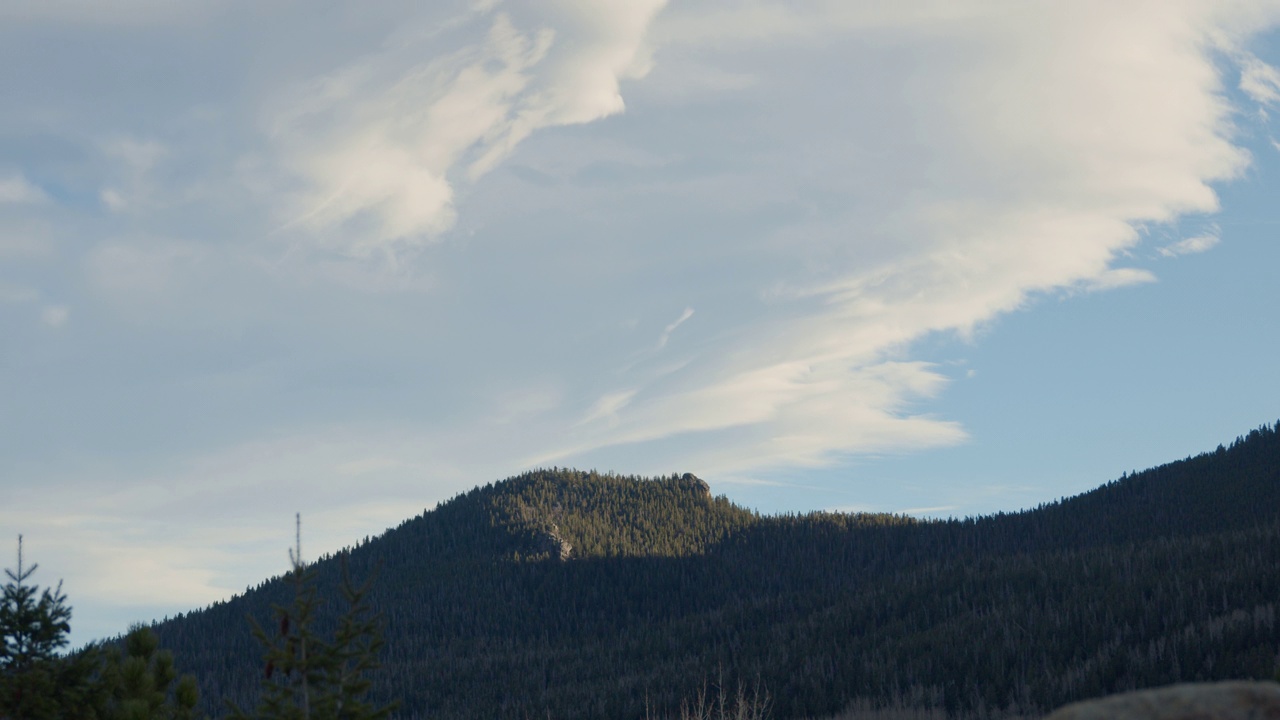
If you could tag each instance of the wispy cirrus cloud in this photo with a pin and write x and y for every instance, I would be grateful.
(1258, 80)
(557, 186)
(666, 332)
(1013, 156)
(1191, 245)
(385, 142)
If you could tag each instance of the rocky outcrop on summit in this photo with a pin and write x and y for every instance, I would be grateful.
(1237, 700)
(697, 484)
(556, 547)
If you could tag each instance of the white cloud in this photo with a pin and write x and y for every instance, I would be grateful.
(972, 155)
(181, 537)
(1191, 245)
(1013, 156)
(1259, 81)
(666, 332)
(827, 184)
(384, 142)
(138, 155)
(1119, 277)
(607, 407)
(928, 511)
(16, 189)
(114, 201)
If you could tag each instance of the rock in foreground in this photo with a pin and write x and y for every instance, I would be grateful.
(1237, 700)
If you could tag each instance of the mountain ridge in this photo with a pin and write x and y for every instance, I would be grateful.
(577, 594)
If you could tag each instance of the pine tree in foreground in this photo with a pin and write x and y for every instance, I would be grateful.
(35, 682)
(304, 676)
(138, 684)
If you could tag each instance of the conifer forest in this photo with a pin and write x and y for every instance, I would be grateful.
(569, 594)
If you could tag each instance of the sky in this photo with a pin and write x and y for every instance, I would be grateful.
(942, 258)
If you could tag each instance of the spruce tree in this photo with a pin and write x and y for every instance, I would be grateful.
(357, 642)
(35, 682)
(305, 677)
(138, 684)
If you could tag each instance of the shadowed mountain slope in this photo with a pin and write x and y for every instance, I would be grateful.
(576, 595)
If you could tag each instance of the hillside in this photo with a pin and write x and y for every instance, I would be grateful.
(576, 595)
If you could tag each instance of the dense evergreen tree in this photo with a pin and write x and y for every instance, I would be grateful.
(306, 677)
(34, 622)
(96, 683)
(580, 595)
(35, 682)
(141, 682)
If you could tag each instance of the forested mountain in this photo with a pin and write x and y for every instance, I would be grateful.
(569, 594)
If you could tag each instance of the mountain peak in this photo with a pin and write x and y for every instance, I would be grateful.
(566, 513)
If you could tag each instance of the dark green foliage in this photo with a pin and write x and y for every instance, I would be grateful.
(356, 645)
(139, 683)
(34, 622)
(96, 683)
(35, 682)
(1168, 575)
(305, 677)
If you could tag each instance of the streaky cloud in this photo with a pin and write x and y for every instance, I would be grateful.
(1191, 245)
(385, 142)
(666, 332)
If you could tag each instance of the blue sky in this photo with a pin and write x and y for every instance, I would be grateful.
(946, 259)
